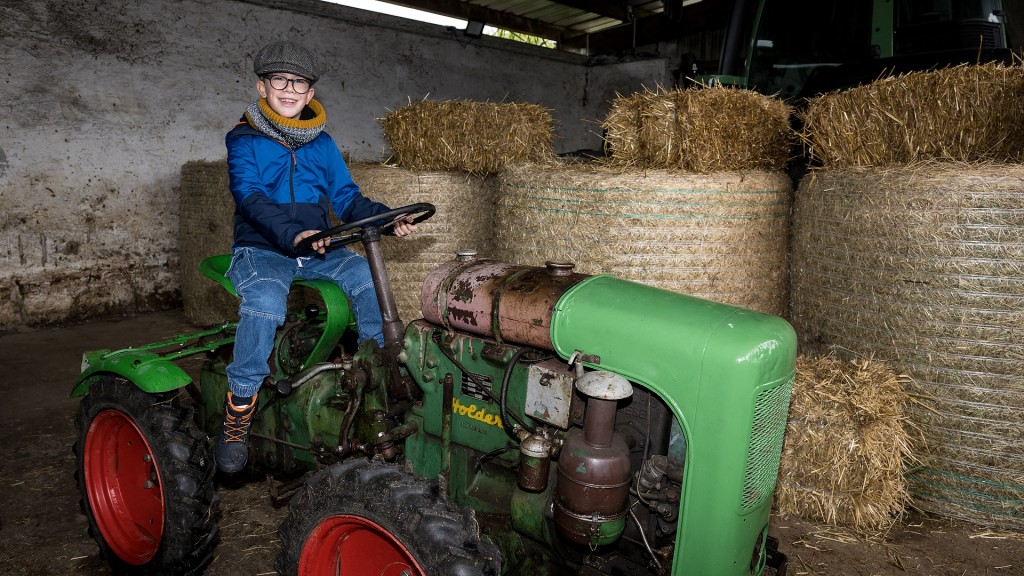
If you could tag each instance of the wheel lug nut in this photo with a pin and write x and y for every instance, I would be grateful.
(147, 458)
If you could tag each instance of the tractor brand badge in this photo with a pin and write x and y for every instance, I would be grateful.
(479, 414)
(479, 386)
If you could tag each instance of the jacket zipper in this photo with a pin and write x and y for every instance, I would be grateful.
(291, 181)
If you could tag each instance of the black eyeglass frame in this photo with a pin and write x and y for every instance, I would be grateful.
(270, 79)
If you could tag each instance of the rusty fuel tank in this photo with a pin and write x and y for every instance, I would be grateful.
(508, 303)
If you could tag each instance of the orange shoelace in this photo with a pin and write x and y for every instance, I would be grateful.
(237, 422)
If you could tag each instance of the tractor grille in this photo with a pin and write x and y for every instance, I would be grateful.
(770, 412)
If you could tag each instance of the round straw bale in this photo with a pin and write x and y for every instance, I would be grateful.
(847, 445)
(960, 114)
(474, 137)
(703, 130)
(464, 220)
(922, 267)
(205, 229)
(720, 236)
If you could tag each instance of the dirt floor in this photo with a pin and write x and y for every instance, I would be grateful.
(42, 531)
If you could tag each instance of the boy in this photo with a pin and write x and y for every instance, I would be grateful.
(284, 173)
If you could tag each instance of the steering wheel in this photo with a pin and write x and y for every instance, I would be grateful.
(423, 209)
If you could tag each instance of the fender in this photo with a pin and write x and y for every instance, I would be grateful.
(148, 371)
(152, 367)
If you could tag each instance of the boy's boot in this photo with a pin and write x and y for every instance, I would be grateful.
(233, 441)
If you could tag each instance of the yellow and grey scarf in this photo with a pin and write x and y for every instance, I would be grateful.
(292, 132)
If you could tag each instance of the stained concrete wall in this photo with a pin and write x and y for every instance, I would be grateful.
(105, 100)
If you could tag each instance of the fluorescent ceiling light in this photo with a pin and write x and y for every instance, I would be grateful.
(402, 12)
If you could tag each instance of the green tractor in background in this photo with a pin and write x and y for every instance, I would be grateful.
(534, 421)
(797, 49)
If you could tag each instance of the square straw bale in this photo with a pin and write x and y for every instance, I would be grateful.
(700, 130)
(967, 113)
(475, 137)
(847, 445)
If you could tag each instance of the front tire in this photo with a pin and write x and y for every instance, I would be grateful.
(145, 477)
(376, 519)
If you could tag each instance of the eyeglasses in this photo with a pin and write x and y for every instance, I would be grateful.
(299, 85)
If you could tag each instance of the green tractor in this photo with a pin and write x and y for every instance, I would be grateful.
(797, 49)
(534, 421)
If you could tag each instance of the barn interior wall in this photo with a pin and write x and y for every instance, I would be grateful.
(105, 100)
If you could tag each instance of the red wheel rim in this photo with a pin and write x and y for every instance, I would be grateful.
(123, 486)
(353, 545)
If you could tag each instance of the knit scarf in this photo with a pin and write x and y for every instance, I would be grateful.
(293, 132)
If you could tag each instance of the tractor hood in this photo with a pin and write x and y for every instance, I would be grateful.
(725, 372)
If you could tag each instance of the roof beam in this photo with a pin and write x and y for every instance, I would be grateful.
(497, 18)
(617, 10)
(654, 28)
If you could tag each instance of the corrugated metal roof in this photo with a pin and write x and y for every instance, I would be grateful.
(573, 16)
(561, 19)
(596, 26)
(583, 21)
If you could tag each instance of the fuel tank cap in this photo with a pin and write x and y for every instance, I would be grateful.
(559, 267)
(604, 385)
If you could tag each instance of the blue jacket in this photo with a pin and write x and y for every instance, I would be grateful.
(280, 192)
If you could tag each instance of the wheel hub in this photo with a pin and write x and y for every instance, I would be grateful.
(355, 545)
(122, 483)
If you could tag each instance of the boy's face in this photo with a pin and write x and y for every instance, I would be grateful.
(286, 102)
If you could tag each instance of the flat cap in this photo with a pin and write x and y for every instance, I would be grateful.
(286, 56)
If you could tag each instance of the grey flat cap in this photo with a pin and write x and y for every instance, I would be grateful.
(286, 56)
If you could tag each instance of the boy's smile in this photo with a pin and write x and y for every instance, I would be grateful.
(285, 102)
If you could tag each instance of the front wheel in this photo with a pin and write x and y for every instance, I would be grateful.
(146, 480)
(376, 519)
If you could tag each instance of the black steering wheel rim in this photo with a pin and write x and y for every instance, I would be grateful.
(392, 217)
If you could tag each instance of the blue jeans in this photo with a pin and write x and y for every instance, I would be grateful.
(263, 278)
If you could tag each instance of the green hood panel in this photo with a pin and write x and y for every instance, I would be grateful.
(725, 372)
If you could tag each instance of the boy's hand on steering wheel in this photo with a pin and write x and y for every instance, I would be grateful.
(405, 227)
(402, 221)
(320, 246)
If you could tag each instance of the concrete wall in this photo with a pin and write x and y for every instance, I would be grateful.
(103, 101)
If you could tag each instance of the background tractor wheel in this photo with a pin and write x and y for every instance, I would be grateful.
(376, 519)
(146, 479)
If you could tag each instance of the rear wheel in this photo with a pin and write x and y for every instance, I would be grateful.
(146, 480)
(376, 519)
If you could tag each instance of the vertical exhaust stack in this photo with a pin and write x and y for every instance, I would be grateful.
(592, 489)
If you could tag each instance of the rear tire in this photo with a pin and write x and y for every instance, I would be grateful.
(145, 477)
(376, 519)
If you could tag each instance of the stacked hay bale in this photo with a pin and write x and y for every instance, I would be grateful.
(464, 220)
(908, 246)
(692, 199)
(444, 153)
(205, 229)
(960, 114)
(699, 130)
(475, 137)
(721, 237)
(847, 444)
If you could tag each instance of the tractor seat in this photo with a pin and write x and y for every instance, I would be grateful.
(335, 305)
(215, 268)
